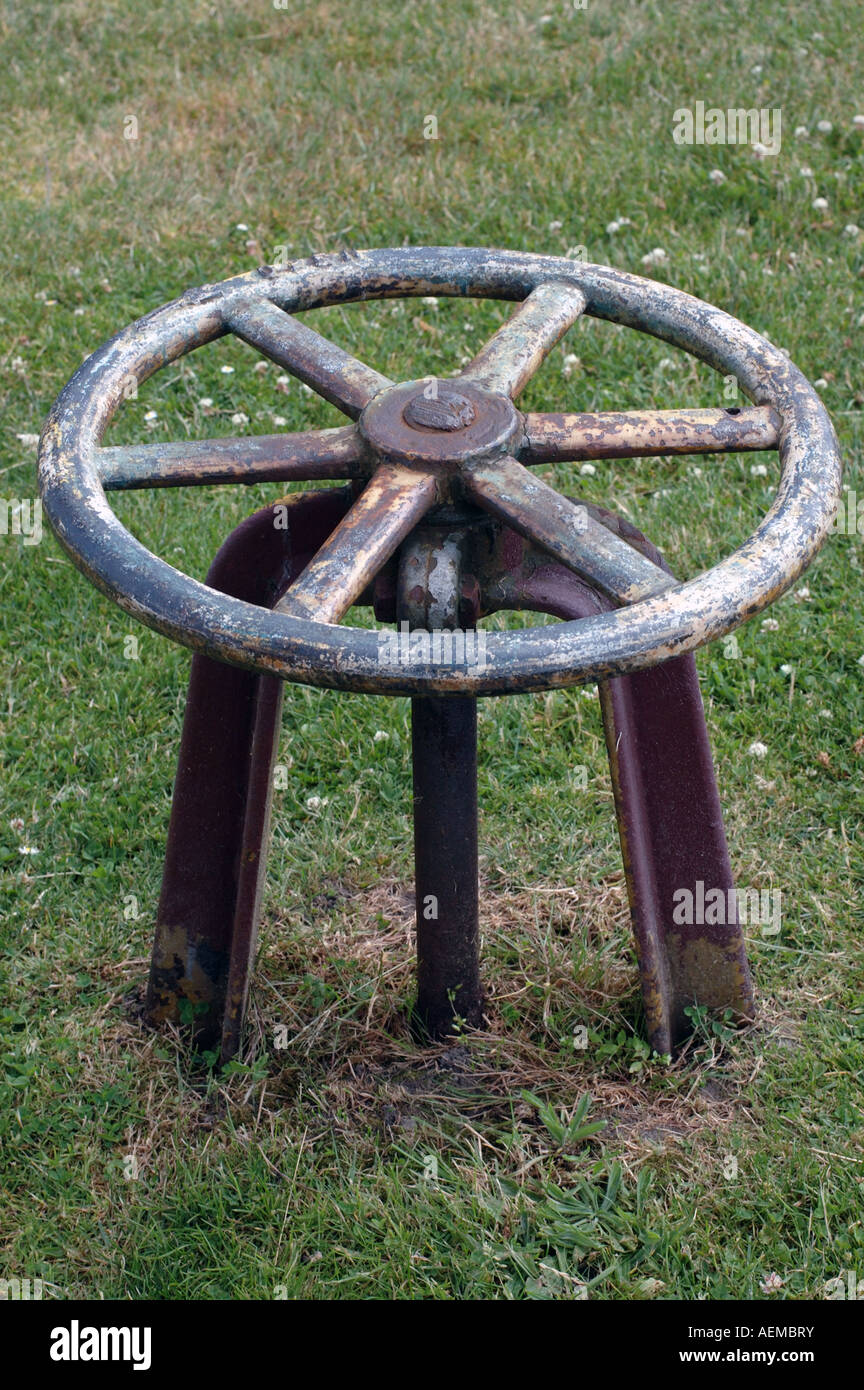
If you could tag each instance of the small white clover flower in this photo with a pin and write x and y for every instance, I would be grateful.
(805, 171)
(282, 383)
(759, 149)
(241, 227)
(801, 131)
(571, 362)
(786, 669)
(717, 176)
(770, 625)
(772, 1282)
(555, 226)
(279, 420)
(858, 122)
(316, 803)
(380, 736)
(802, 595)
(819, 204)
(587, 470)
(826, 714)
(206, 402)
(758, 750)
(758, 470)
(851, 229)
(756, 69)
(824, 127)
(260, 368)
(240, 418)
(820, 383)
(655, 256)
(16, 824)
(431, 300)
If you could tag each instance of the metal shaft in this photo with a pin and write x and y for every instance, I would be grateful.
(444, 747)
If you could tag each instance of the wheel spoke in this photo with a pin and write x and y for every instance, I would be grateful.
(263, 458)
(328, 369)
(513, 354)
(571, 437)
(393, 502)
(565, 530)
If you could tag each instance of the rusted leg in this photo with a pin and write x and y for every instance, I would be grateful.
(444, 749)
(670, 820)
(217, 840)
(670, 823)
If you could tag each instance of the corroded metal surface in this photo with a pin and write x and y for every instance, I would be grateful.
(443, 408)
(571, 437)
(333, 373)
(393, 429)
(386, 511)
(259, 306)
(570, 533)
(260, 458)
(513, 354)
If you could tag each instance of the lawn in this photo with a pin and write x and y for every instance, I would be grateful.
(150, 148)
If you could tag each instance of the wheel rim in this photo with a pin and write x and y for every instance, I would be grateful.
(319, 653)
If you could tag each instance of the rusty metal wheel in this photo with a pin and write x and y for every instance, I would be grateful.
(421, 445)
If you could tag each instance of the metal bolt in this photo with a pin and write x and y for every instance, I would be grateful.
(445, 410)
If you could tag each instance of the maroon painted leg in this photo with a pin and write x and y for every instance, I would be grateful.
(217, 840)
(670, 820)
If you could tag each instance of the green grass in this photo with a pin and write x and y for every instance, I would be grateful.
(352, 1163)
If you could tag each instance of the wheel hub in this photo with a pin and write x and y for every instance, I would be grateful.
(431, 423)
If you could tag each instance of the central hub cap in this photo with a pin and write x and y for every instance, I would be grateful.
(440, 423)
(439, 408)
